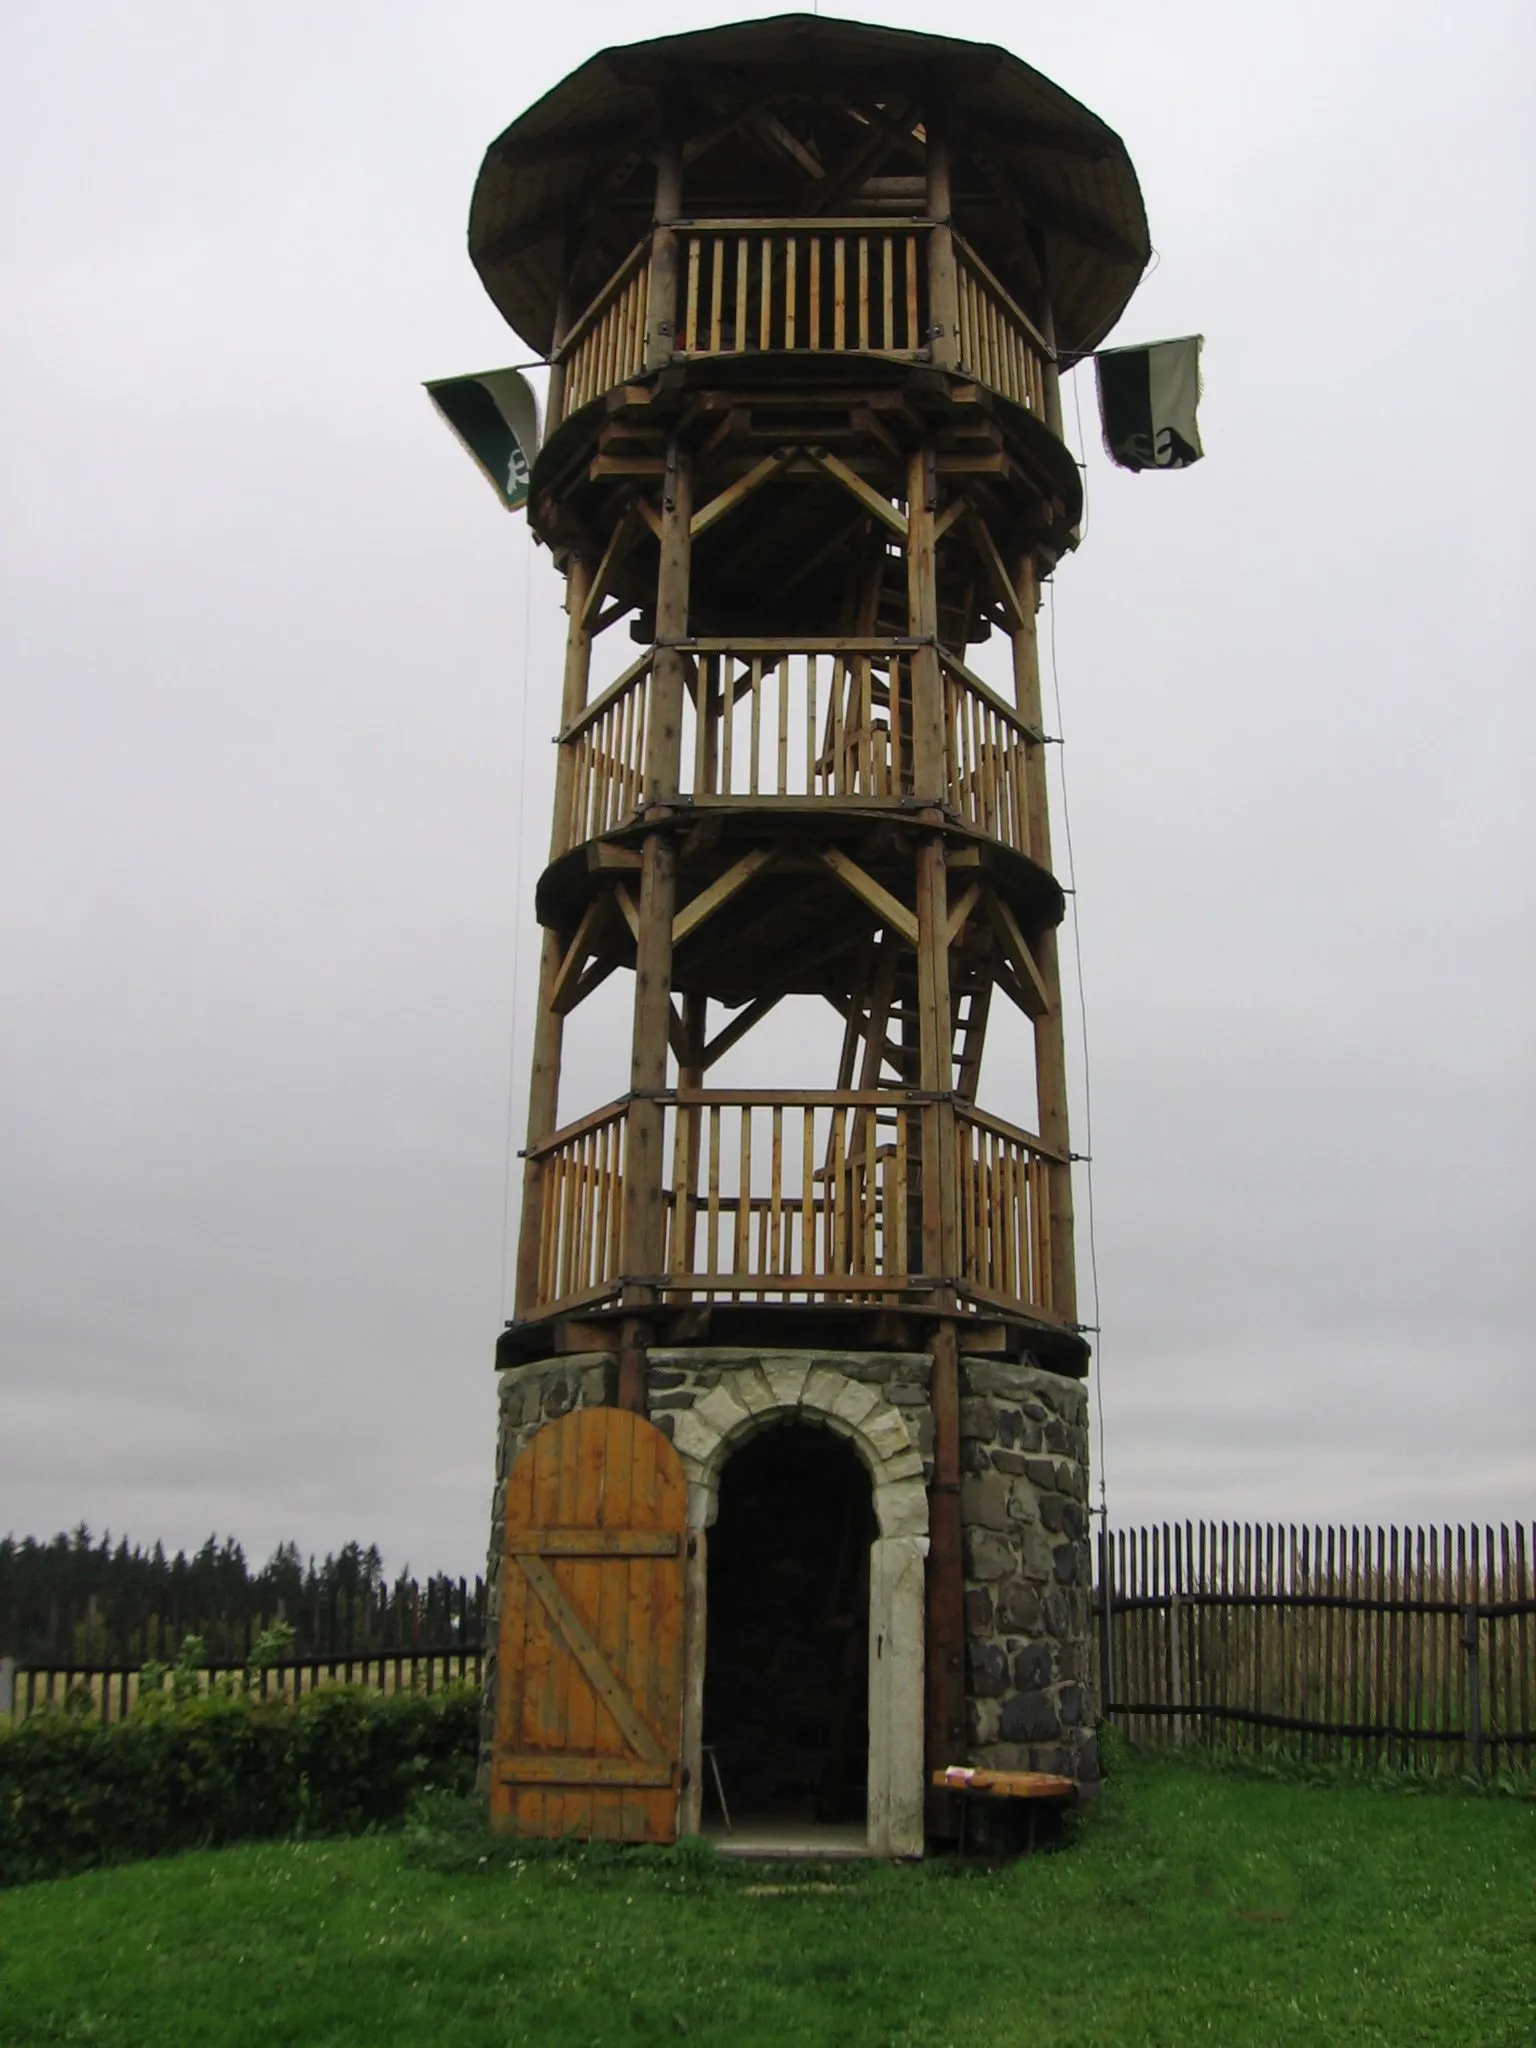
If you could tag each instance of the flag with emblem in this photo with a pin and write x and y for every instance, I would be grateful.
(496, 417)
(1148, 398)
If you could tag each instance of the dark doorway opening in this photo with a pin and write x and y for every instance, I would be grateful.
(786, 1671)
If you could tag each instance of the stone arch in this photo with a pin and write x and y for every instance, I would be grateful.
(753, 1394)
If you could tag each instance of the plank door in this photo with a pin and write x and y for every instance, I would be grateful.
(589, 1673)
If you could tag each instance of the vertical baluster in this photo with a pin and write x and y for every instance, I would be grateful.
(782, 672)
(841, 678)
(887, 294)
(836, 1190)
(863, 242)
(754, 785)
(911, 342)
(791, 247)
(716, 290)
(739, 302)
(773, 1253)
(712, 1264)
(703, 710)
(807, 1190)
(765, 296)
(607, 336)
(896, 1255)
(691, 316)
(813, 258)
(741, 1253)
(839, 293)
(812, 699)
(727, 720)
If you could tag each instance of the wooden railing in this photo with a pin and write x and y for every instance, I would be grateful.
(834, 285)
(999, 344)
(773, 719)
(580, 1209)
(795, 1195)
(809, 1195)
(751, 287)
(1005, 1211)
(606, 347)
(813, 719)
(607, 767)
(985, 758)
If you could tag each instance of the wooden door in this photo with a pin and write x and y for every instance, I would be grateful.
(589, 1674)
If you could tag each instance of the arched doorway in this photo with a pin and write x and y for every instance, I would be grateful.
(786, 1673)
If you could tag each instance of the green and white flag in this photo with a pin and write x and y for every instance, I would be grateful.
(496, 416)
(1147, 402)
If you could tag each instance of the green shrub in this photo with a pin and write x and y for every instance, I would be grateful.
(187, 1773)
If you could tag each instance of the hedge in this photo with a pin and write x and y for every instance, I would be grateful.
(190, 1774)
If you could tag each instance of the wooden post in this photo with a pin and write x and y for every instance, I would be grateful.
(548, 1024)
(663, 752)
(661, 321)
(943, 278)
(644, 1139)
(1050, 1047)
(1050, 374)
(944, 1668)
(554, 408)
(923, 624)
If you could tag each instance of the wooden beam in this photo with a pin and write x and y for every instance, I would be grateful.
(997, 574)
(627, 909)
(735, 494)
(891, 912)
(1037, 996)
(854, 484)
(703, 906)
(791, 146)
(677, 1034)
(753, 1013)
(650, 515)
(955, 509)
(575, 955)
(959, 912)
(620, 541)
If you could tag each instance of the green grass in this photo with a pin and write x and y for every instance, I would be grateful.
(1195, 1906)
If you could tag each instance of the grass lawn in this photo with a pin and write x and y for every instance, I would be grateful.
(1194, 1906)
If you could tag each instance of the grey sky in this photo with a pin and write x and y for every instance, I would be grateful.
(265, 743)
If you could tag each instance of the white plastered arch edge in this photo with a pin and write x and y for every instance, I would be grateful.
(765, 1389)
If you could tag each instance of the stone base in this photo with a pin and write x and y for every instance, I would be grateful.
(1024, 1454)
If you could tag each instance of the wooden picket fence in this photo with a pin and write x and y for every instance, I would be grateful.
(1404, 1648)
(109, 1692)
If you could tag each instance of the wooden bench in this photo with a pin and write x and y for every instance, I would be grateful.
(971, 1784)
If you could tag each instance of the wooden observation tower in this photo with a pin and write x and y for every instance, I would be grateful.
(803, 285)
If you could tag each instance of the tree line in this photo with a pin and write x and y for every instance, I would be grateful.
(84, 1599)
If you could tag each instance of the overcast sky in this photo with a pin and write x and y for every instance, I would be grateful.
(266, 922)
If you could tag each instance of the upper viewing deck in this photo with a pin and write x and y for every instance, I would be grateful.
(840, 191)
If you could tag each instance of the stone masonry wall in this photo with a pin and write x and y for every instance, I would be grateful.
(1028, 1569)
(1024, 1505)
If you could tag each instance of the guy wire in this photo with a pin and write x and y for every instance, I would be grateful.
(1082, 1018)
(517, 919)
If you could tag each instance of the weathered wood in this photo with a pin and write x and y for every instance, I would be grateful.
(854, 484)
(661, 321)
(699, 909)
(891, 912)
(943, 277)
(589, 1670)
(737, 493)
